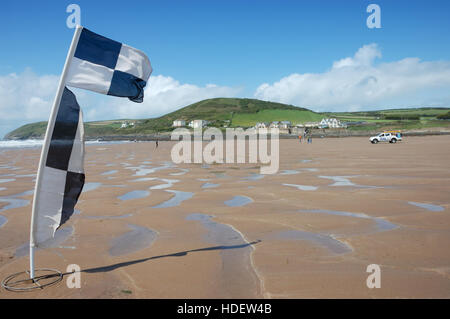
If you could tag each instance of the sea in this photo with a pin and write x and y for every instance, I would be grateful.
(7, 144)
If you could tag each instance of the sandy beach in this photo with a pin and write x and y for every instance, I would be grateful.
(148, 228)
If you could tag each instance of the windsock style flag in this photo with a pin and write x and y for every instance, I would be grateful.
(108, 67)
(63, 173)
(94, 63)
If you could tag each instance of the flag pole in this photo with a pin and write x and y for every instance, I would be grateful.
(45, 146)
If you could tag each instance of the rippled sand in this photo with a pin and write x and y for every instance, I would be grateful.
(146, 225)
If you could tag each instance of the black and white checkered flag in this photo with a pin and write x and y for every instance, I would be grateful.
(62, 177)
(94, 63)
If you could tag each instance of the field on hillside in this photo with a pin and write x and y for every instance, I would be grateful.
(295, 116)
(404, 119)
(235, 112)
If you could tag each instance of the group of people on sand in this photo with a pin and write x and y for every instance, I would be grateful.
(308, 138)
(306, 135)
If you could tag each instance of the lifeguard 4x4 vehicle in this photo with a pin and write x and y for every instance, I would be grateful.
(390, 136)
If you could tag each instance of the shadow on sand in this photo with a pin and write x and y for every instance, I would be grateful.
(178, 254)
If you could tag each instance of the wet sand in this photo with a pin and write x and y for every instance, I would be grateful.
(161, 230)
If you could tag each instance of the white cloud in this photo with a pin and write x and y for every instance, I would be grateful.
(357, 82)
(28, 97)
(162, 95)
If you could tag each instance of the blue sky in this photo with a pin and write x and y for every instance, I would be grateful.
(237, 46)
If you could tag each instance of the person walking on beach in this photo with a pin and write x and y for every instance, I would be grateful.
(300, 138)
(156, 143)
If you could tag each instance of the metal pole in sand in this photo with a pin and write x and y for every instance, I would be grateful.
(48, 133)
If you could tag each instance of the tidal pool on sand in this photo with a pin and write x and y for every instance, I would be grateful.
(91, 186)
(344, 181)
(210, 185)
(138, 238)
(110, 172)
(380, 223)
(134, 195)
(326, 241)
(253, 177)
(218, 233)
(303, 187)
(238, 201)
(15, 202)
(6, 180)
(61, 236)
(176, 200)
(3, 220)
(430, 207)
(109, 217)
(289, 172)
(235, 252)
(181, 171)
(168, 183)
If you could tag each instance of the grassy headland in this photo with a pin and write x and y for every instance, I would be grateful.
(234, 112)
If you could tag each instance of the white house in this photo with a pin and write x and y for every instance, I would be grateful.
(198, 123)
(285, 124)
(126, 124)
(179, 123)
(274, 124)
(331, 123)
(262, 125)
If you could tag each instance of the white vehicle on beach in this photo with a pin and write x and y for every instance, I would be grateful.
(391, 137)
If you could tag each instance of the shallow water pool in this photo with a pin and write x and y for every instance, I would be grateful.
(176, 200)
(137, 239)
(136, 194)
(430, 207)
(237, 201)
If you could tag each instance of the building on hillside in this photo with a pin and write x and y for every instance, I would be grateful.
(198, 123)
(126, 124)
(330, 123)
(285, 124)
(262, 125)
(274, 124)
(179, 123)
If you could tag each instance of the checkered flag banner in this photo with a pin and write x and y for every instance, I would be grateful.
(63, 173)
(93, 63)
(108, 67)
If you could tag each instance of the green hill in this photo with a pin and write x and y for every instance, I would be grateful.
(403, 119)
(232, 112)
(28, 131)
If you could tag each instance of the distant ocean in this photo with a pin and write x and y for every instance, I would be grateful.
(39, 143)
